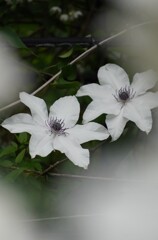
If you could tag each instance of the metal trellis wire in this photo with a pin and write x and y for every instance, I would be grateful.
(59, 41)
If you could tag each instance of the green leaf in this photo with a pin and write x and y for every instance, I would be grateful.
(37, 166)
(10, 149)
(67, 53)
(20, 156)
(6, 163)
(62, 84)
(12, 37)
(14, 174)
(69, 72)
(22, 138)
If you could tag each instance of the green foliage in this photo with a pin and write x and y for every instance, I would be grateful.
(12, 148)
(66, 54)
(6, 163)
(12, 176)
(22, 138)
(12, 38)
(20, 156)
(69, 72)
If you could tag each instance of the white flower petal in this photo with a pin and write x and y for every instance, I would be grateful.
(41, 145)
(37, 107)
(95, 91)
(148, 99)
(113, 75)
(96, 108)
(88, 132)
(140, 114)
(116, 125)
(73, 150)
(143, 81)
(21, 123)
(66, 109)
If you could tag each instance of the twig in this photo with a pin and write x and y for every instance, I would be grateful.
(53, 166)
(29, 171)
(24, 170)
(80, 57)
(110, 179)
(61, 217)
(47, 170)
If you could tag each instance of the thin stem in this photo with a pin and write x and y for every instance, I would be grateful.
(28, 171)
(47, 83)
(80, 57)
(10, 105)
(87, 52)
(53, 166)
(61, 217)
(111, 179)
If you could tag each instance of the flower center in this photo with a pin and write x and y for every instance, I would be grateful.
(56, 126)
(124, 94)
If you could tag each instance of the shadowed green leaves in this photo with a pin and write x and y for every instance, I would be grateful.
(12, 38)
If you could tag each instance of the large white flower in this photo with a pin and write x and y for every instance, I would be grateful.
(121, 100)
(58, 130)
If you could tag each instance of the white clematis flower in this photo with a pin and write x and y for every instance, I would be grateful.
(121, 100)
(56, 131)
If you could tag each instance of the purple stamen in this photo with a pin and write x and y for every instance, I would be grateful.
(56, 126)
